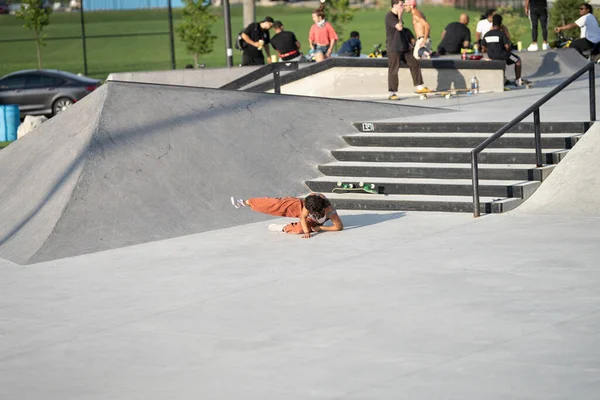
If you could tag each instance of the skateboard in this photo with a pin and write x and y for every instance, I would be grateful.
(361, 187)
(445, 93)
(527, 84)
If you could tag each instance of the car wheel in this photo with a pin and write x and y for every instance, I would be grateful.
(61, 105)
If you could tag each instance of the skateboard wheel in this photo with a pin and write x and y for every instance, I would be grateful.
(423, 97)
(361, 184)
(372, 186)
(448, 96)
(351, 186)
(339, 184)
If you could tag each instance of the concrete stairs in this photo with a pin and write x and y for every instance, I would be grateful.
(426, 166)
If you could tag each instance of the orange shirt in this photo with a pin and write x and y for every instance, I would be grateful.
(322, 35)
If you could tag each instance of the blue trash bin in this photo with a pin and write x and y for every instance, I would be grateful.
(9, 122)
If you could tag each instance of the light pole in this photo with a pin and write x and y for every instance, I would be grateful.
(227, 15)
(85, 67)
(172, 42)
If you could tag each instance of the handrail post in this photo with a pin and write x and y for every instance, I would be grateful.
(538, 138)
(276, 79)
(475, 171)
(592, 77)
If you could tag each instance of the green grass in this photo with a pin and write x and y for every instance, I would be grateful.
(146, 53)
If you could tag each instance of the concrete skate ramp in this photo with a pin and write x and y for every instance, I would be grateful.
(573, 188)
(202, 77)
(133, 163)
(545, 65)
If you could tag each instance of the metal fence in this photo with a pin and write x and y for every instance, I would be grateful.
(81, 6)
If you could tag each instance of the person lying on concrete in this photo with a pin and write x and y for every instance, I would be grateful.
(537, 10)
(590, 32)
(455, 36)
(256, 37)
(422, 47)
(498, 47)
(285, 43)
(322, 36)
(313, 211)
(399, 49)
(352, 46)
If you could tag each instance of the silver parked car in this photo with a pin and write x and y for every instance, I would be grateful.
(45, 92)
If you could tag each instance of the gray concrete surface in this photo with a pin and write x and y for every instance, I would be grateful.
(429, 306)
(573, 188)
(571, 104)
(134, 163)
(546, 69)
(203, 77)
(412, 306)
(371, 83)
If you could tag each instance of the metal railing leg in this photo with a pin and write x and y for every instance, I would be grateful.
(475, 171)
(276, 80)
(537, 130)
(592, 75)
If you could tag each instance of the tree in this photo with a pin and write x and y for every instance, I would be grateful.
(513, 20)
(196, 29)
(564, 12)
(339, 14)
(36, 15)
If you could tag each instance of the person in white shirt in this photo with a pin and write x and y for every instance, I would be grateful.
(590, 32)
(484, 25)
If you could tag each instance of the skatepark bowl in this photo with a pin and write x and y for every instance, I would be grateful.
(126, 273)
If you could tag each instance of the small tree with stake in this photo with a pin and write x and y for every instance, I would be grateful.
(339, 14)
(196, 29)
(36, 15)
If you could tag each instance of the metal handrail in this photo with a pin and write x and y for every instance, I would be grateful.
(274, 68)
(535, 109)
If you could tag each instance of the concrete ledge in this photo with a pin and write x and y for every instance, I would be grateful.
(348, 77)
(205, 77)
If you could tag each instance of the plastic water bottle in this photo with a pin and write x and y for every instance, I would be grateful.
(476, 49)
(474, 85)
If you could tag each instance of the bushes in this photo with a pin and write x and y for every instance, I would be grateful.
(512, 19)
(564, 12)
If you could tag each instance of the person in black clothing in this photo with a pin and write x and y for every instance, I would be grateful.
(537, 10)
(399, 49)
(351, 47)
(285, 43)
(256, 36)
(455, 36)
(497, 45)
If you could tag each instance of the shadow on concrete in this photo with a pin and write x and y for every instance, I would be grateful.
(549, 65)
(353, 221)
(452, 79)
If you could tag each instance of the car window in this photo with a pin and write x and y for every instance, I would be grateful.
(12, 83)
(42, 81)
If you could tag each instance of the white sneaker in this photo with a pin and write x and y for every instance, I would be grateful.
(237, 203)
(545, 46)
(276, 227)
(533, 47)
(519, 82)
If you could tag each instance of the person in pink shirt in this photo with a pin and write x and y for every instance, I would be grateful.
(322, 36)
